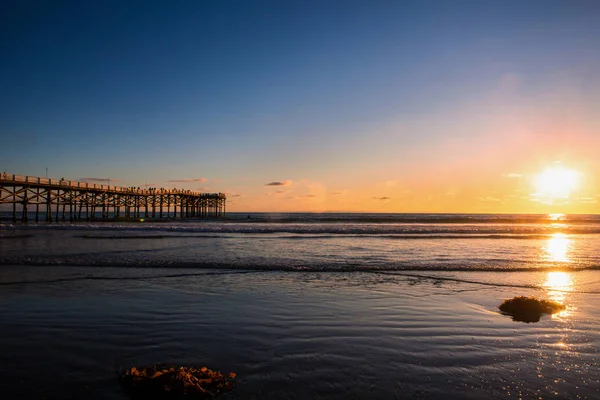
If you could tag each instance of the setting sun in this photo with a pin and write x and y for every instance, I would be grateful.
(556, 182)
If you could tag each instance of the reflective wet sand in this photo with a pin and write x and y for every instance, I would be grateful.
(299, 335)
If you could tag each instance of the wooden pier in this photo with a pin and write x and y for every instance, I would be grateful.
(62, 200)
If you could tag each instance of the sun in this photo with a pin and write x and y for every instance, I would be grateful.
(556, 182)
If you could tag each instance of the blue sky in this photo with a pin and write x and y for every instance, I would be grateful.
(334, 97)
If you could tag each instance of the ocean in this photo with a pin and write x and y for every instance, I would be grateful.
(299, 305)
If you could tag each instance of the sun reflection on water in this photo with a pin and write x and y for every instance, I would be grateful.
(558, 280)
(558, 221)
(556, 217)
(557, 247)
(558, 284)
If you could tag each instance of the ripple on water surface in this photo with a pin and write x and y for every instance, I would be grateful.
(295, 335)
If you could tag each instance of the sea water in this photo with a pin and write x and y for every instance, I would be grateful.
(304, 305)
(317, 242)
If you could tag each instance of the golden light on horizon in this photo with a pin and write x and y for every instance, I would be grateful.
(556, 182)
(556, 217)
(557, 247)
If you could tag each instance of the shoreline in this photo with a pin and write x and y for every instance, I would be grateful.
(301, 335)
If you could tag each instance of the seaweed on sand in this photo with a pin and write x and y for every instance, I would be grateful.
(175, 382)
(529, 309)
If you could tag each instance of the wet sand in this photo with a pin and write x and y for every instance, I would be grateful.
(292, 335)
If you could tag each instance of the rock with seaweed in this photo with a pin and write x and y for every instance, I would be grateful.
(529, 309)
(160, 382)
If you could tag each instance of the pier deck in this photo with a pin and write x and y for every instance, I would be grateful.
(65, 200)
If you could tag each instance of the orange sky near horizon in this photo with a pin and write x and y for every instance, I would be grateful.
(485, 162)
(505, 193)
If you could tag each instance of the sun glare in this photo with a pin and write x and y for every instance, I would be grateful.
(556, 182)
(559, 284)
(557, 280)
(557, 248)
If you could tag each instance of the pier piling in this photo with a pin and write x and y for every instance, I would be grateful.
(66, 200)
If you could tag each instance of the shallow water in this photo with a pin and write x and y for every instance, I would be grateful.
(303, 307)
(312, 244)
(296, 334)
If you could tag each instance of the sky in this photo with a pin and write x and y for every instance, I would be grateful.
(346, 106)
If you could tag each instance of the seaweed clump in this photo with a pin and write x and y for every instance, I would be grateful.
(529, 309)
(175, 382)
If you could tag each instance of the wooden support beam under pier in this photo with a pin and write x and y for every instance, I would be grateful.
(65, 200)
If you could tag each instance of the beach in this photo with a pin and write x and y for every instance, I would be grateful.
(293, 313)
(300, 200)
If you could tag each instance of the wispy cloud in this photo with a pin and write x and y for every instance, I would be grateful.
(382, 198)
(278, 193)
(187, 180)
(279, 183)
(343, 192)
(512, 175)
(490, 199)
(99, 180)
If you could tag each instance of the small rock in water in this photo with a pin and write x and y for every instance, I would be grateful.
(529, 309)
(175, 382)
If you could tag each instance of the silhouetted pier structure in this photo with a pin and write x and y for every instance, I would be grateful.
(62, 200)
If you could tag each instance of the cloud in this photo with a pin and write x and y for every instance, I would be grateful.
(512, 175)
(588, 200)
(382, 198)
(279, 192)
(343, 192)
(490, 199)
(307, 196)
(279, 183)
(99, 180)
(187, 180)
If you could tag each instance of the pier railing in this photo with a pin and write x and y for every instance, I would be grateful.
(81, 200)
(69, 184)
